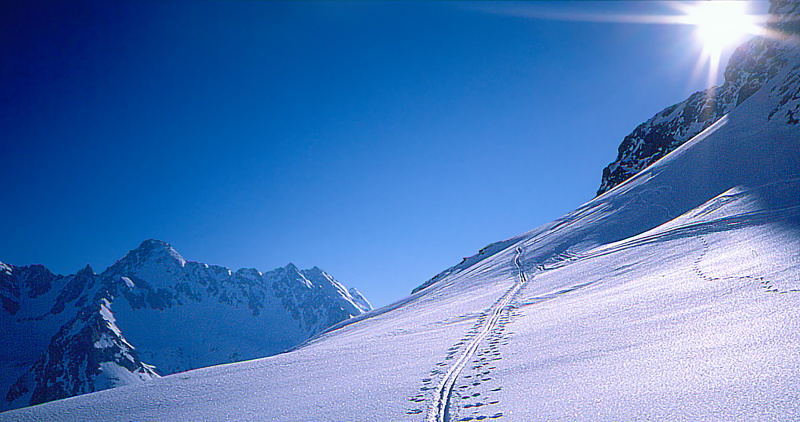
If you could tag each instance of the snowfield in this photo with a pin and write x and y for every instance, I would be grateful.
(674, 296)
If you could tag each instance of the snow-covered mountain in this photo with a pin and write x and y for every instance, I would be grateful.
(752, 65)
(152, 313)
(673, 296)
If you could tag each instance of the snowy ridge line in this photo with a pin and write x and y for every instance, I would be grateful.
(754, 218)
(438, 411)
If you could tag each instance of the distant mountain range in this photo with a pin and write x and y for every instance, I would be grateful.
(152, 313)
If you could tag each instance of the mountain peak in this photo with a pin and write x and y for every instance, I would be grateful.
(360, 300)
(87, 270)
(153, 244)
(151, 250)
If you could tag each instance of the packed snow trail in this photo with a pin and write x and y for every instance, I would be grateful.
(439, 409)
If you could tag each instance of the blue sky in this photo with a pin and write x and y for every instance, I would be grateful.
(381, 141)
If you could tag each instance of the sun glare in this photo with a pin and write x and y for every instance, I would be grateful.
(721, 24)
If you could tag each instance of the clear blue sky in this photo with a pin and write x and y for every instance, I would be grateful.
(381, 142)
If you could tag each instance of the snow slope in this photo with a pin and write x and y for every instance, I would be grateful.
(673, 296)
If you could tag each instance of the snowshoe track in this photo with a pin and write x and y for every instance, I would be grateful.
(765, 284)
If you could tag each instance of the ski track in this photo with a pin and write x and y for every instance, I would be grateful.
(446, 399)
(440, 408)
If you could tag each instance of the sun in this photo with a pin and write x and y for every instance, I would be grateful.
(721, 24)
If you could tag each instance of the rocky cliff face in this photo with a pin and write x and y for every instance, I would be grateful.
(751, 66)
(152, 313)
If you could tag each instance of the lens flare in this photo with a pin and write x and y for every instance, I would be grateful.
(722, 24)
(719, 25)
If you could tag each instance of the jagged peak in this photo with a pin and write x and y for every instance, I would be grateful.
(314, 271)
(38, 267)
(248, 271)
(351, 300)
(86, 271)
(360, 300)
(319, 277)
(153, 249)
(290, 273)
(154, 245)
(251, 274)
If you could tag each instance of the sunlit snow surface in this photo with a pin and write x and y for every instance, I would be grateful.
(675, 296)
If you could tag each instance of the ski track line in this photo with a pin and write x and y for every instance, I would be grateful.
(441, 405)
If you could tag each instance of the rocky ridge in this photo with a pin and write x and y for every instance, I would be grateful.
(751, 66)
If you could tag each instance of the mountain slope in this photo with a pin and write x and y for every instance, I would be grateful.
(752, 65)
(63, 336)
